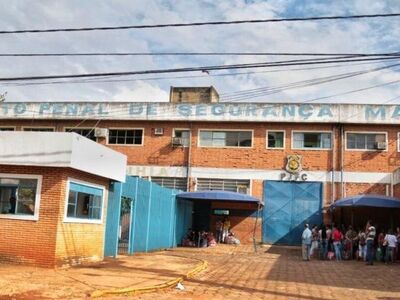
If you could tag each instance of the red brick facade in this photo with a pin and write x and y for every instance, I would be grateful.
(50, 241)
(158, 151)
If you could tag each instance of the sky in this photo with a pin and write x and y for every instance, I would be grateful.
(356, 36)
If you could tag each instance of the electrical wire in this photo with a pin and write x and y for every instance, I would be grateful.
(192, 24)
(193, 54)
(253, 93)
(204, 68)
(105, 80)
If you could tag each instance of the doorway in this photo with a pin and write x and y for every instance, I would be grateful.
(201, 215)
(125, 225)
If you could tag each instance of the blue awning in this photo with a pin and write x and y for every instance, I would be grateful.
(367, 200)
(217, 196)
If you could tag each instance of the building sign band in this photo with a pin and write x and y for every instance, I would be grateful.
(243, 112)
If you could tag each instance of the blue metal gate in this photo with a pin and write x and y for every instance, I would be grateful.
(157, 219)
(288, 206)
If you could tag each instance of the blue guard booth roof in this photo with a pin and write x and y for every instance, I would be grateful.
(366, 200)
(218, 196)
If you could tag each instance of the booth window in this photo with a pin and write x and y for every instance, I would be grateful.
(18, 196)
(275, 139)
(7, 129)
(218, 138)
(43, 129)
(313, 140)
(366, 141)
(84, 202)
(86, 132)
(125, 136)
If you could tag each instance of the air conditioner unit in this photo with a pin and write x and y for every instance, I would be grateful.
(101, 132)
(158, 131)
(380, 145)
(177, 141)
(242, 189)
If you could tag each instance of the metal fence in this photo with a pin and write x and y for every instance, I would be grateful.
(157, 219)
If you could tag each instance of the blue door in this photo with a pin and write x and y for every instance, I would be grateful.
(288, 206)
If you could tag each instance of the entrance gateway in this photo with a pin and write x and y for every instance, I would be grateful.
(288, 206)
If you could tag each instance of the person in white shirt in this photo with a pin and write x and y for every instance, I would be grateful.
(306, 242)
(390, 241)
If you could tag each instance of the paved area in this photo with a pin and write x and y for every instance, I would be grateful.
(279, 273)
(21, 282)
(234, 272)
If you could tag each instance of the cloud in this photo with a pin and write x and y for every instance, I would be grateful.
(141, 92)
(367, 35)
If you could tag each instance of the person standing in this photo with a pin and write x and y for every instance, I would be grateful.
(218, 230)
(362, 245)
(306, 242)
(390, 241)
(225, 229)
(371, 233)
(314, 240)
(324, 242)
(337, 243)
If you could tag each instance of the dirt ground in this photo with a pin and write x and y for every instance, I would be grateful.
(234, 272)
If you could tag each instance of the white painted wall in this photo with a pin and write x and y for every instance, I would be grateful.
(255, 174)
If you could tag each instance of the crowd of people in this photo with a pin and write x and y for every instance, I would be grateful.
(223, 234)
(339, 243)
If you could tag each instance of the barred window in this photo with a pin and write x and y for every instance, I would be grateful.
(231, 185)
(125, 136)
(178, 183)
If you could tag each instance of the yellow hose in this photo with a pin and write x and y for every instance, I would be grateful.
(148, 289)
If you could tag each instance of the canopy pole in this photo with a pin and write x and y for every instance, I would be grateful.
(255, 228)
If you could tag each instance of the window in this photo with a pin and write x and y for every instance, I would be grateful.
(313, 140)
(7, 128)
(19, 196)
(231, 185)
(184, 135)
(125, 136)
(45, 129)
(275, 139)
(179, 183)
(214, 138)
(366, 141)
(84, 202)
(86, 132)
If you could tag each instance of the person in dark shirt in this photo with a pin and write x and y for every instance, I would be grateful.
(13, 204)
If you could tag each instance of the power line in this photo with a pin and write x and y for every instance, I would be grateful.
(106, 80)
(194, 69)
(235, 22)
(193, 54)
(255, 93)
